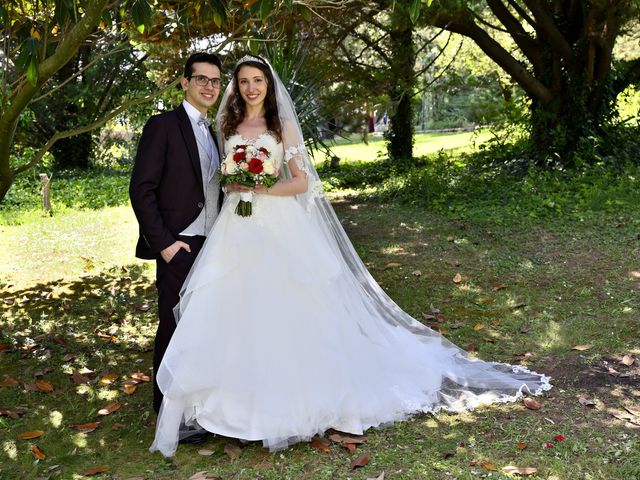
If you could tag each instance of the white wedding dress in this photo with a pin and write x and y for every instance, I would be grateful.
(277, 341)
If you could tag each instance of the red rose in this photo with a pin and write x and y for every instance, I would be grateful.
(238, 157)
(255, 166)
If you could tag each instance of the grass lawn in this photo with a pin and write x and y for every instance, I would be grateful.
(424, 144)
(78, 316)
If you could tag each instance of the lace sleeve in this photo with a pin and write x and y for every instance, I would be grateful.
(296, 153)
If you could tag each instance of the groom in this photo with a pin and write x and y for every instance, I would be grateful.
(174, 192)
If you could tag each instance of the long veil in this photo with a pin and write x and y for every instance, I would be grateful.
(465, 383)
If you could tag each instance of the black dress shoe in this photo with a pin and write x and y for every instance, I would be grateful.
(195, 438)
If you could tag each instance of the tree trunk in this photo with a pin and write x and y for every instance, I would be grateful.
(400, 133)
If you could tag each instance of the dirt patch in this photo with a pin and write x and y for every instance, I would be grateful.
(599, 377)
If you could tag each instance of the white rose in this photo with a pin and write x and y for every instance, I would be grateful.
(229, 167)
(268, 168)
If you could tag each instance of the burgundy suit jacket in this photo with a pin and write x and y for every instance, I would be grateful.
(166, 188)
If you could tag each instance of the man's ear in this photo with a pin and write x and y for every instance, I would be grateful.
(184, 82)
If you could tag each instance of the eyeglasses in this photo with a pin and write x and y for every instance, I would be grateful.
(203, 80)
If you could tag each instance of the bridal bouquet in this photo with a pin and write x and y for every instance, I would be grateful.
(249, 166)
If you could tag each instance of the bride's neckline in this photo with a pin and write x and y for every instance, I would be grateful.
(253, 139)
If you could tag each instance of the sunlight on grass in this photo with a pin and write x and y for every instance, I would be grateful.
(79, 440)
(552, 337)
(55, 418)
(424, 144)
(11, 449)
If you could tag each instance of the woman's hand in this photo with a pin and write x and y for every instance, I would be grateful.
(259, 188)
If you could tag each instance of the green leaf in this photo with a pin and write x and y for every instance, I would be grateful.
(265, 8)
(142, 14)
(65, 10)
(414, 10)
(32, 71)
(217, 19)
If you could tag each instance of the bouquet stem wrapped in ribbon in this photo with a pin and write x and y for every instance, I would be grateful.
(249, 166)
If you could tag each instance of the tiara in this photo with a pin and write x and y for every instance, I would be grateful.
(251, 58)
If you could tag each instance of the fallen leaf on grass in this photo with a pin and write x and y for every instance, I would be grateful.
(11, 413)
(627, 360)
(587, 402)
(68, 357)
(320, 443)
(361, 461)
(472, 347)
(140, 377)
(86, 427)
(521, 445)
(351, 447)
(633, 411)
(434, 310)
(232, 451)
(117, 426)
(498, 287)
(520, 470)
(582, 348)
(39, 454)
(129, 387)
(79, 378)
(440, 318)
(95, 471)
(478, 326)
(416, 273)
(44, 386)
(347, 438)
(30, 435)
(531, 403)
(205, 452)
(204, 475)
(519, 305)
(379, 477)
(392, 265)
(455, 326)
(143, 308)
(8, 382)
(489, 466)
(449, 454)
(457, 278)
(110, 408)
(108, 379)
(473, 463)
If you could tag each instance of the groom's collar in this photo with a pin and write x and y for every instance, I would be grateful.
(192, 111)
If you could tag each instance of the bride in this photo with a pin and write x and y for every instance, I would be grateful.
(282, 332)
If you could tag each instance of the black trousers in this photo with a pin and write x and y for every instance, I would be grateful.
(169, 279)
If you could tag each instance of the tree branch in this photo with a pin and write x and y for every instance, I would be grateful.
(547, 25)
(92, 126)
(529, 46)
(521, 11)
(63, 53)
(465, 26)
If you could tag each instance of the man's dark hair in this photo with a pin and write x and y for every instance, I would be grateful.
(200, 57)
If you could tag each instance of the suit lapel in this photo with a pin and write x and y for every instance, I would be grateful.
(190, 141)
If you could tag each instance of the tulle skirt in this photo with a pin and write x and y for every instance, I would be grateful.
(277, 342)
